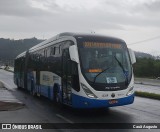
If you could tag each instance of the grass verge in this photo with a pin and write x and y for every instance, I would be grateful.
(147, 95)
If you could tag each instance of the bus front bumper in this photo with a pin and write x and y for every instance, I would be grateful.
(82, 102)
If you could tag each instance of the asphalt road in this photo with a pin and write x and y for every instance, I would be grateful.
(147, 88)
(7, 78)
(41, 110)
(147, 85)
(148, 81)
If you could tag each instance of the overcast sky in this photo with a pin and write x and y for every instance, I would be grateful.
(131, 20)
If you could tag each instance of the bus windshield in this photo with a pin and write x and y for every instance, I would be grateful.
(105, 62)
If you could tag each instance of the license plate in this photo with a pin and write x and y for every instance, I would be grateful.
(113, 101)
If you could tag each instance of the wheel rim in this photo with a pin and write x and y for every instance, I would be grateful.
(57, 98)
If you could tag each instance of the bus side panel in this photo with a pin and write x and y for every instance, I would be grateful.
(47, 82)
(46, 91)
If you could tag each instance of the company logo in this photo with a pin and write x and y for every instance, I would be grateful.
(21, 126)
(6, 126)
(113, 95)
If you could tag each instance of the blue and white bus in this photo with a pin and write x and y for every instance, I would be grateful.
(78, 70)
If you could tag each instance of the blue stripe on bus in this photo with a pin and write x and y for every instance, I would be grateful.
(46, 91)
(82, 102)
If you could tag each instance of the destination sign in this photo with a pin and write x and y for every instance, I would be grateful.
(101, 45)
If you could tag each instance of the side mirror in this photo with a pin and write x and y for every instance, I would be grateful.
(74, 53)
(132, 56)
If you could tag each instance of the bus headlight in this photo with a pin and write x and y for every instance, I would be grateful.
(88, 92)
(131, 91)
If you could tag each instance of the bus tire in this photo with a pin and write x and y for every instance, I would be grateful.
(58, 102)
(56, 97)
(32, 92)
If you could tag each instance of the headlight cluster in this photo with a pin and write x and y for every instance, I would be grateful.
(131, 91)
(88, 92)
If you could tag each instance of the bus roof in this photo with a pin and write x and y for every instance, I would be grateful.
(71, 34)
(76, 35)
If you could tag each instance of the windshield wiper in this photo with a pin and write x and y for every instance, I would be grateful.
(100, 73)
(120, 64)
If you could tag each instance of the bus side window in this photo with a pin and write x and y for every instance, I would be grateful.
(60, 50)
(52, 51)
(56, 51)
(48, 52)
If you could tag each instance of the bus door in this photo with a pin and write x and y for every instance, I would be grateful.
(66, 77)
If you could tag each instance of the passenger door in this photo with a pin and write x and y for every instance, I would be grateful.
(66, 76)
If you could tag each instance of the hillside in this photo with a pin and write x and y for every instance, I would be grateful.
(143, 55)
(9, 49)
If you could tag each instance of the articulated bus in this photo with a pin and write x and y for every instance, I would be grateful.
(78, 70)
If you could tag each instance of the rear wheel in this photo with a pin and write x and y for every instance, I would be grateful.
(56, 96)
(57, 100)
(32, 92)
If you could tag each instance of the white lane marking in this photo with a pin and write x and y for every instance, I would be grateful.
(64, 118)
(7, 86)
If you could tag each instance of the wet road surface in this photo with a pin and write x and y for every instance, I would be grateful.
(41, 110)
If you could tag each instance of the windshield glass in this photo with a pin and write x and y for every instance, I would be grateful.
(105, 62)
